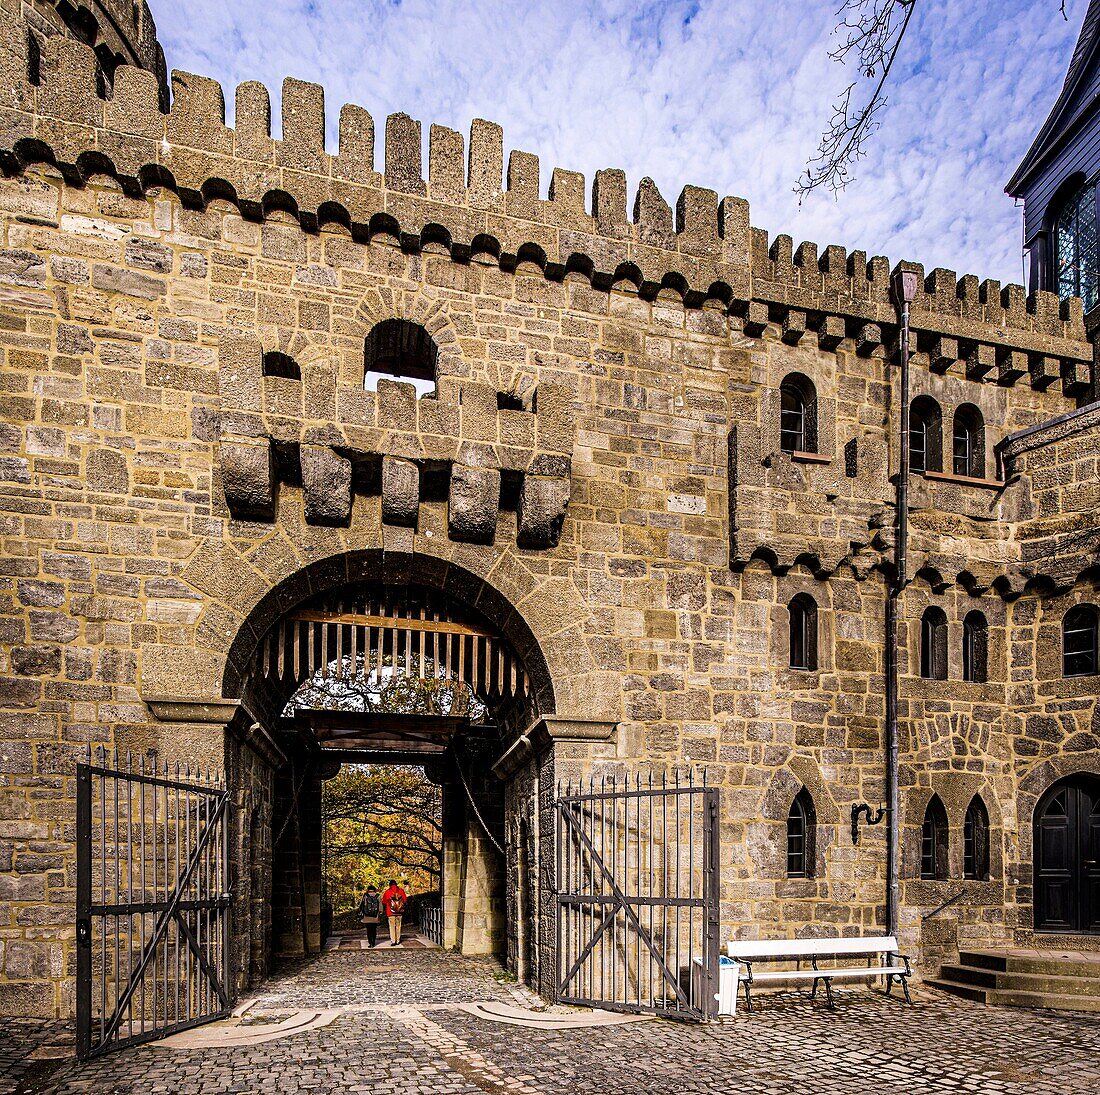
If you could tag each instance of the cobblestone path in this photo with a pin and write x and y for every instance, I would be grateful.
(400, 1032)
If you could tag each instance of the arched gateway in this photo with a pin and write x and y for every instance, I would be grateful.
(314, 679)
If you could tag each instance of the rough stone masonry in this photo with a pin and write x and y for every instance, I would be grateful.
(600, 470)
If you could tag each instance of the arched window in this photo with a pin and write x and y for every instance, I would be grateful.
(933, 843)
(803, 632)
(1079, 642)
(801, 833)
(968, 442)
(401, 350)
(975, 647)
(976, 840)
(1075, 248)
(276, 363)
(933, 644)
(798, 414)
(925, 435)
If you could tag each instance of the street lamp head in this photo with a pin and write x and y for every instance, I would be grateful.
(905, 286)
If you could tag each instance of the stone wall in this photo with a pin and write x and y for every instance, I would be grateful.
(148, 260)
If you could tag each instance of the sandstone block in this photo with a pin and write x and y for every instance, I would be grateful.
(248, 477)
(472, 504)
(396, 405)
(400, 491)
(556, 424)
(116, 279)
(326, 482)
(542, 504)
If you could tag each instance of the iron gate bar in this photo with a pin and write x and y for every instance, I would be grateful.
(161, 925)
(621, 903)
(189, 846)
(605, 867)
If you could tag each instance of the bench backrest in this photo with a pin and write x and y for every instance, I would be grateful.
(801, 948)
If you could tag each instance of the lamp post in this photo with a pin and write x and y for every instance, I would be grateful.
(904, 284)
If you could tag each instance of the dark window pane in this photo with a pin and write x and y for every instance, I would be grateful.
(975, 646)
(1076, 247)
(1079, 642)
(918, 443)
(933, 861)
(976, 841)
(792, 421)
(933, 645)
(800, 836)
(963, 445)
(803, 633)
(928, 849)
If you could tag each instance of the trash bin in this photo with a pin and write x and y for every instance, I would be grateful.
(727, 984)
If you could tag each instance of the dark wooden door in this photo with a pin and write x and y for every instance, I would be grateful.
(1067, 857)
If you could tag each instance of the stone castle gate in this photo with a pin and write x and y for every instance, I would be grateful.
(646, 452)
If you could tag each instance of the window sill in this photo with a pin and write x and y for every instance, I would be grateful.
(800, 457)
(962, 480)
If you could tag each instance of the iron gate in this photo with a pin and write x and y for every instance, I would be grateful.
(152, 903)
(637, 902)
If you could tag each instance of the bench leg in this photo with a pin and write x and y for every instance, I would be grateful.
(889, 983)
(905, 988)
(748, 996)
(829, 992)
(813, 991)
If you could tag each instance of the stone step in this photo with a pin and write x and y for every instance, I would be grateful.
(1007, 962)
(1012, 980)
(1016, 999)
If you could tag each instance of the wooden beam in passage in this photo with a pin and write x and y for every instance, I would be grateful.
(443, 627)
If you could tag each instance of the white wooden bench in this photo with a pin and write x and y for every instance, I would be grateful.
(880, 954)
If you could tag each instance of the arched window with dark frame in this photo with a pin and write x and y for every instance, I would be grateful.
(399, 349)
(1076, 266)
(933, 844)
(797, 414)
(801, 836)
(975, 647)
(976, 840)
(802, 612)
(968, 442)
(1079, 647)
(925, 435)
(933, 644)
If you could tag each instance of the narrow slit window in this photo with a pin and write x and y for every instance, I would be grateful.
(801, 832)
(976, 841)
(933, 856)
(933, 645)
(975, 648)
(803, 632)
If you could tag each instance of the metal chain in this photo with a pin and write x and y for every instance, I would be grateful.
(477, 813)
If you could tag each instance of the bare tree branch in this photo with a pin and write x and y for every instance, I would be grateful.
(873, 30)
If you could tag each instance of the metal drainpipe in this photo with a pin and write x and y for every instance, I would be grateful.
(905, 289)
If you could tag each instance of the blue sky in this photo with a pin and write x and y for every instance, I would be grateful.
(728, 94)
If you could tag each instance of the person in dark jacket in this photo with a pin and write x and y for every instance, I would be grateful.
(370, 912)
(393, 900)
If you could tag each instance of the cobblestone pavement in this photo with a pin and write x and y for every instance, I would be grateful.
(400, 1032)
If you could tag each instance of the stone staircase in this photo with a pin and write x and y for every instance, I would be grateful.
(1065, 980)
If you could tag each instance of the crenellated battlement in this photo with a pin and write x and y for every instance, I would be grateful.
(484, 207)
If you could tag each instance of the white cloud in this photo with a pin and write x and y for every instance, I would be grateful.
(729, 94)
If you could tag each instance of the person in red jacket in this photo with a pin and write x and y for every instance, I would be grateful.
(393, 900)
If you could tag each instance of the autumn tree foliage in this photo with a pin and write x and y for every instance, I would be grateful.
(381, 821)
